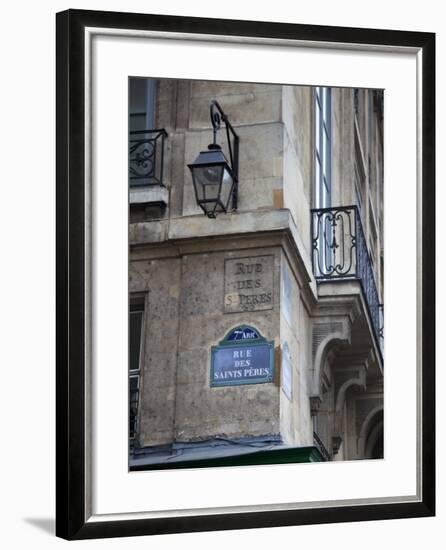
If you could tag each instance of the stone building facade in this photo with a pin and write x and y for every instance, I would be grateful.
(300, 261)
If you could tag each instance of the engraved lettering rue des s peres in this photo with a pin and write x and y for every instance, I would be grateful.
(249, 284)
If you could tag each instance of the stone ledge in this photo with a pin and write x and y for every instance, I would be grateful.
(198, 226)
(237, 224)
(149, 194)
(234, 223)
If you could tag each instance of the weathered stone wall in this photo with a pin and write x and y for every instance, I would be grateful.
(160, 280)
(298, 156)
(295, 335)
(185, 317)
(231, 411)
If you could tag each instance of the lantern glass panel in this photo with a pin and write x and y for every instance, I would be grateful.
(226, 187)
(207, 182)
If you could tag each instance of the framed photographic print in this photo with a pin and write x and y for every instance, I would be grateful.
(240, 207)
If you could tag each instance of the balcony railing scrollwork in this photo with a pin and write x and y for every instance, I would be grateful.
(146, 157)
(339, 251)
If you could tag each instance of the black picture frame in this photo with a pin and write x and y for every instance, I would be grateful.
(71, 485)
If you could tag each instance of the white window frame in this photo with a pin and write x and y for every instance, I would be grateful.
(322, 146)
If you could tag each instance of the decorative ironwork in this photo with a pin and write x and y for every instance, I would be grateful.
(321, 447)
(217, 115)
(381, 325)
(146, 157)
(339, 251)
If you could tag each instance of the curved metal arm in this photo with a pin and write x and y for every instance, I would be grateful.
(217, 115)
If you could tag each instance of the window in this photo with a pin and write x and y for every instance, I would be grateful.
(322, 101)
(136, 331)
(146, 142)
(322, 182)
(142, 104)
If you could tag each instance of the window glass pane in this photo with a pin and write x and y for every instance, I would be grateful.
(135, 339)
(150, 109)
(136, 321)
(327, 160)
(317, 136)
(142, 103)
(137, 103)
(327, 105)
(134, 382)
(317, 179)
(137, 121)
(134, 401)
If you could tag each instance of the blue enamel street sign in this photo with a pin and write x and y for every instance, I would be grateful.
(242, 357)
(242, 333)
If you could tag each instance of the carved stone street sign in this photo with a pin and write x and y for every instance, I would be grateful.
(249, 284)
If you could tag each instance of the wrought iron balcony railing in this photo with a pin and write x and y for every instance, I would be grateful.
(146, 157)
(339, 251)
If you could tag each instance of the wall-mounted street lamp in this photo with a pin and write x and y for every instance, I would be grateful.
(215, 179)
